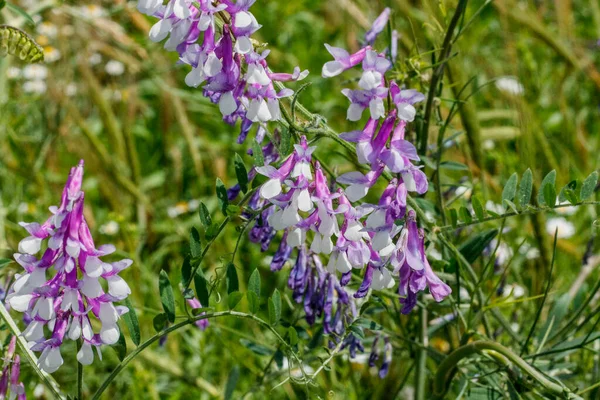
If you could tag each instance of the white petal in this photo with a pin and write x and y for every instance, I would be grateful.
(331, 265)
(85, 355)
(75, 329)
(93, 267)
(108, 314)
(30, 245)
(118, 287)
(381, 240)
(160, 30)
(213, 65)
(243, 19)
(406, 112)
(109, 334)
(227, 104)
(195, 77)
(332, 68)
(304, 201)
(181, 9)
(355, 112)
(356, 192)
(20, 303)
(295, 237)
(53, 359)
(243, 45)
(377, 108)
(34, 331)
(86, 329)
(342, 264)
(270, 189)
(290, 216)
(91, 287)
(376, 219)
(326, 245)
(46, 308)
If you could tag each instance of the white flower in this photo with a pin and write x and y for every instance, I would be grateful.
(71, 90)
(95, 59)
(114, 68)
(51, 54)
(47, 29)
(565, 228)
(110, 228)
(13, 73)
(92, 11)
(510, 85)
(35, 72)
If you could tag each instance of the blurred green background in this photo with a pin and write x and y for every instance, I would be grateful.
(153, 149)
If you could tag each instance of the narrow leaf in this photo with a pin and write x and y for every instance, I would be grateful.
(254, 282)
(186, 272)
(550, 195)
(465, 215)
(510, 189)
(232, 278)
(5, 261)
(478, 208)
(277, 304)
(285, 142)
(453, 217)
(232, 380)
(241, 173)
(589, 185)
(159, 322)
(195, 246)
(548, 179)
(453, 165)
(201, 288)
(120, 347)
(525, 188)
(222, 196)
(253, 302)
(205, 218)
(133, 325)
(511, 205)
(166, 295)
(293, 336)
(257, 153)
(233, 299)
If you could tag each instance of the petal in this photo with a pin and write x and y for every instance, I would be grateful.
(270, 189)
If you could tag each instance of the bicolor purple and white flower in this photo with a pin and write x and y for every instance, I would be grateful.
(61, 291)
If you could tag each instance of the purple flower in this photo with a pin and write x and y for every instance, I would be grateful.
(194, 303)
(378, 26)
(342, 60)
(64, 303)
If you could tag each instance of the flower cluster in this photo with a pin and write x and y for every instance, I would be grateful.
(10, 374)
(224, 58)
(60, 291)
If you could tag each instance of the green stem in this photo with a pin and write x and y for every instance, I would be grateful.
(421, 372)
(438, 74)
(46, 379)
(179, 325)
(448, 368)
(79, 374)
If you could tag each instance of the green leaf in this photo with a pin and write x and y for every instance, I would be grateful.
(186, 272)
(232, 380)
(254, 282)
(548, 179)
(159, 322)
(19, 11)
(5, 261)
(166, 295)
(465, 215)
(241, 173)
(120, 347)
(133, 325)
(368, 324)
(253, 302)
(256, 348)
(275, 308)
(549, 195)
(195, 246)
(285, 142)
(453, 217)
(525, 188)
(257, 153)
(201, 288)
(293, 336)
(222, 196)
(589, 185)
(205, 218)
(511, 205)
(453, 165)
(233, 209)
(233, 299)
(570, 195)
(473, 247)
(2, 4)
(510, 189)
(232, 279)
(478, 208)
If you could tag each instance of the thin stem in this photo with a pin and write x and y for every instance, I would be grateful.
(46, 379)
(438, 75)
(179, 325)
(448, 368)
(529, 211)
(79, 374)
(420, 375)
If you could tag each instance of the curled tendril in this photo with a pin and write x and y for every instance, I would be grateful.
(15, 42)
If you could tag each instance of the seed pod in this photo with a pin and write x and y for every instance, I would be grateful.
(15, 42)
